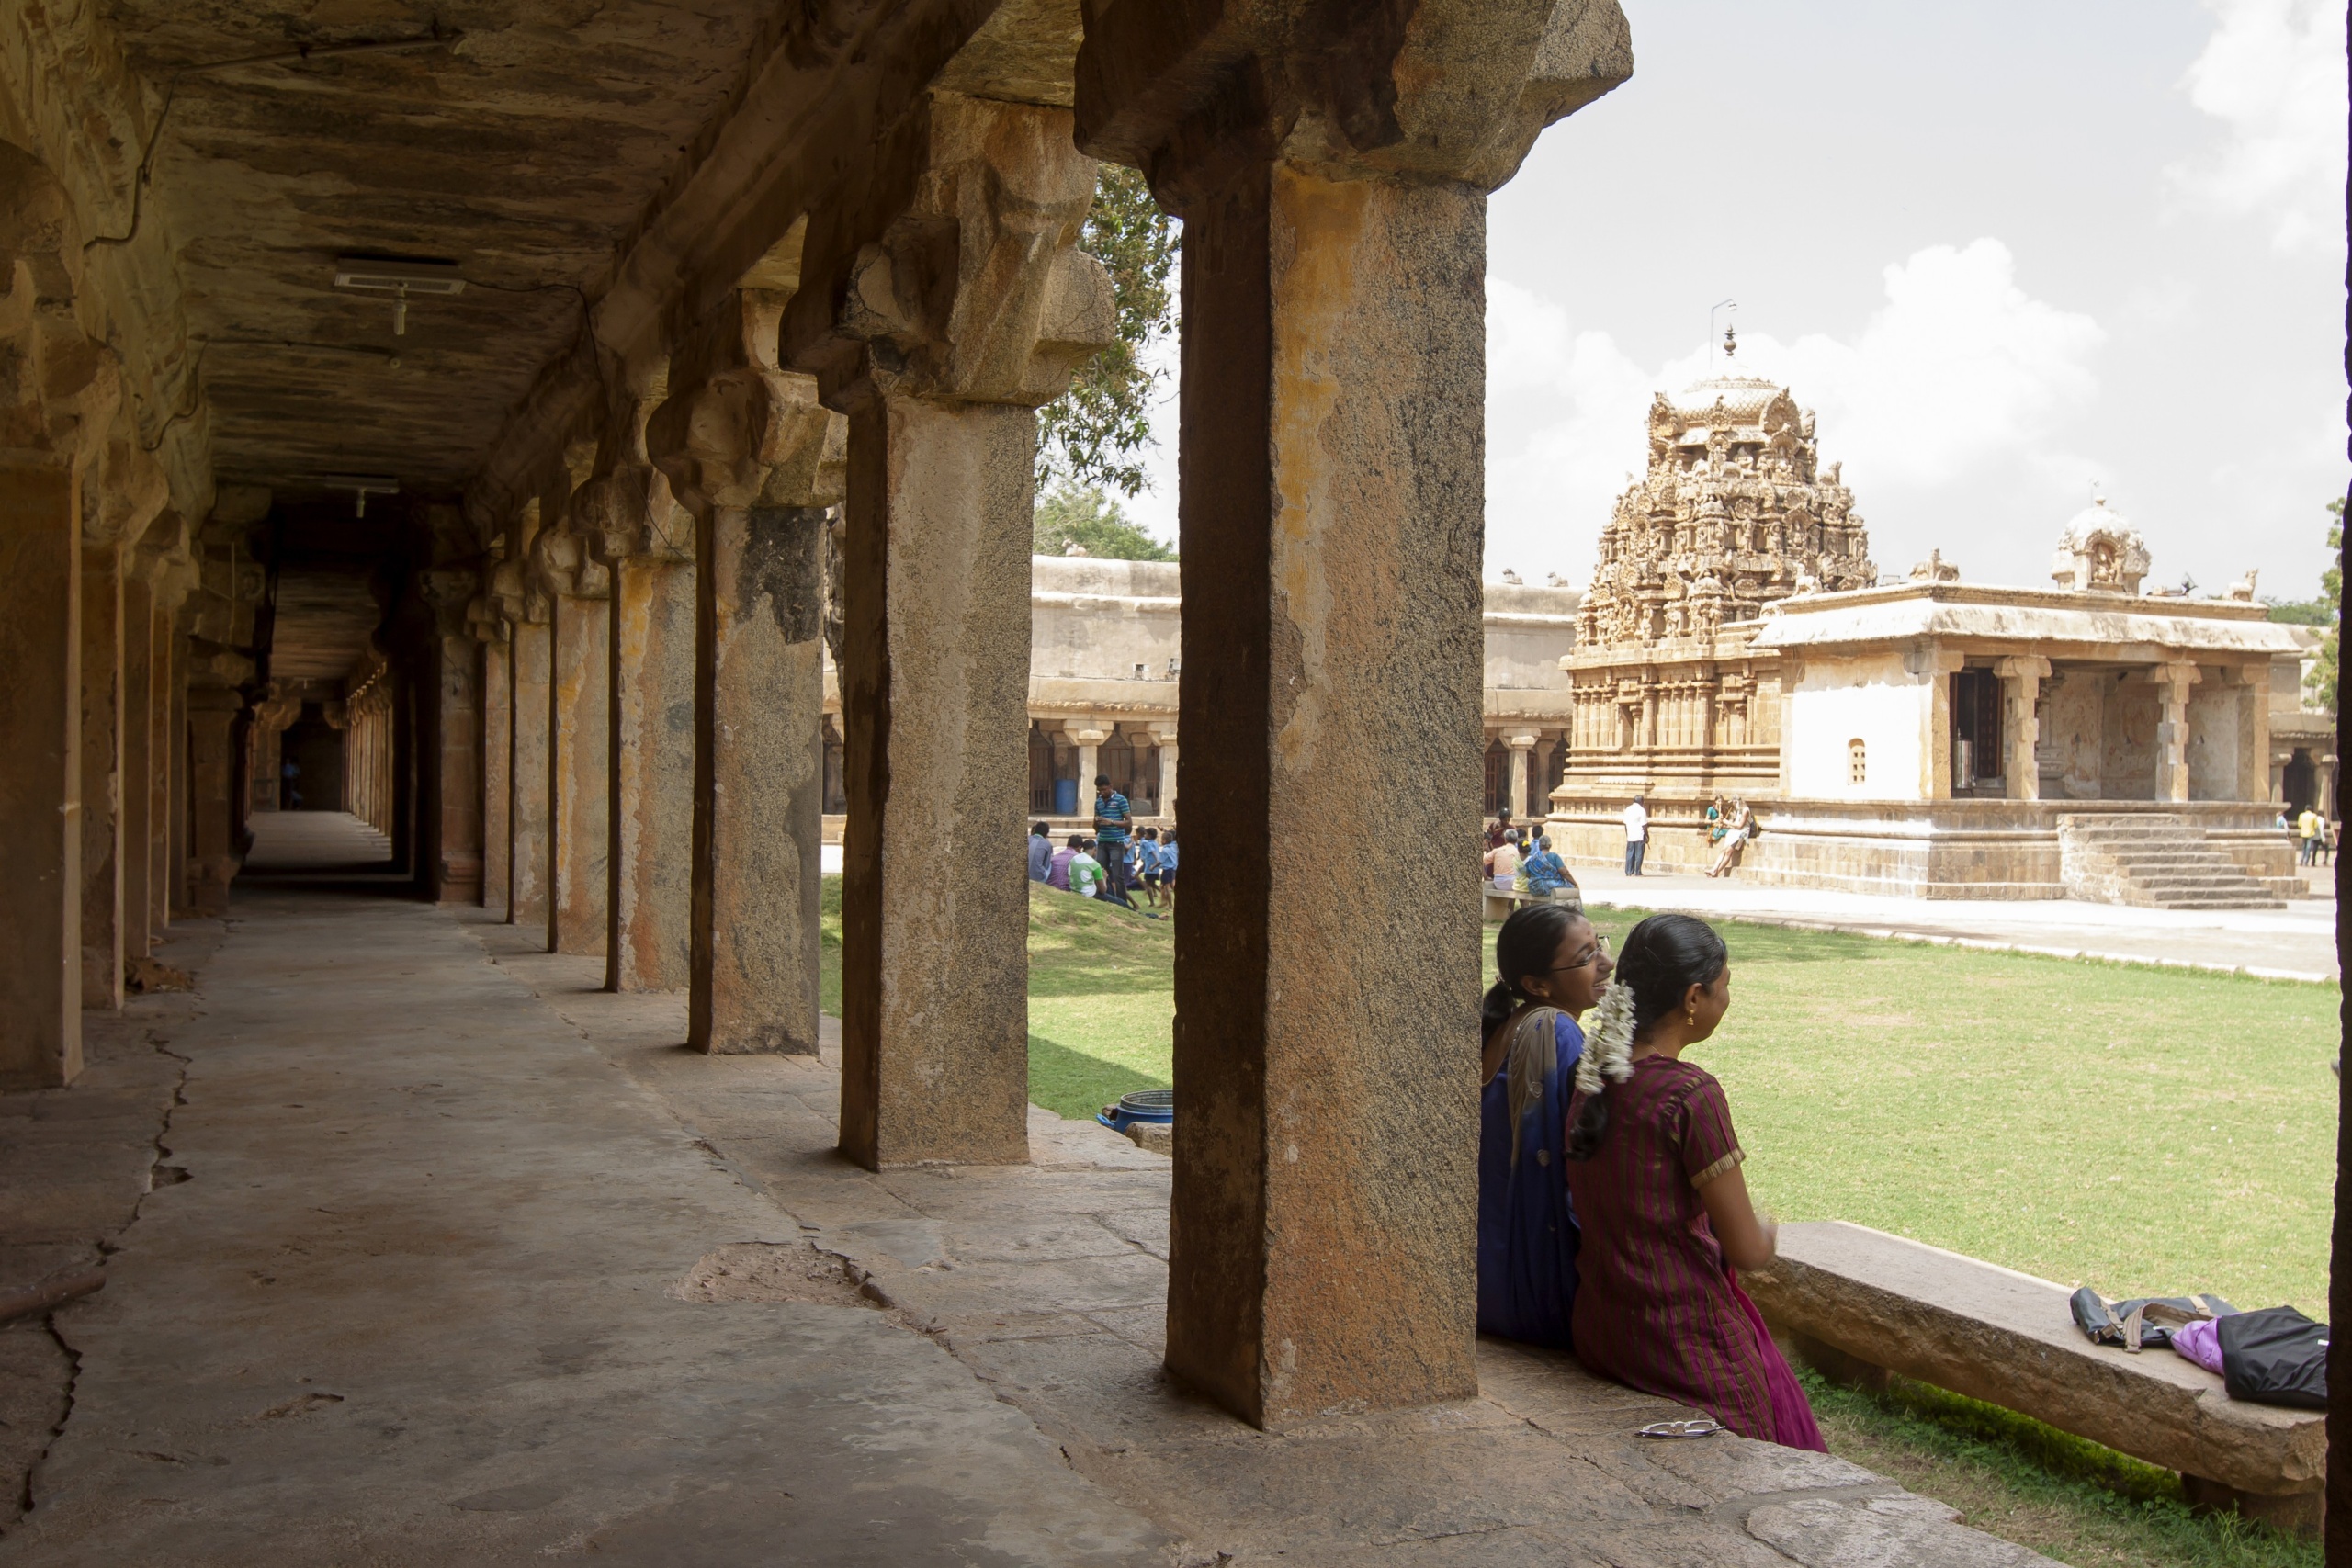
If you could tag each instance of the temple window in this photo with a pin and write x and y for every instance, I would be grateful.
(1858, 767)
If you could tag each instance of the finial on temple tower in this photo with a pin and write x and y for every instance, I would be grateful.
(1730, 340)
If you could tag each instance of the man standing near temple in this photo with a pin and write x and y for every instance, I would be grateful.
(1111, 816)
(1637, 835)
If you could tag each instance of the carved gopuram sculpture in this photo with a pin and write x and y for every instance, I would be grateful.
(2100, 552)
(1736, 512)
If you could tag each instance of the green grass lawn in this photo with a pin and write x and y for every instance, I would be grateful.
(2144, 1130)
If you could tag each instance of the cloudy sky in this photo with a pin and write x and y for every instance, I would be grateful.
(2006, 250)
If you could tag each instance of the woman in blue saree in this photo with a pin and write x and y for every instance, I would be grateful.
(1552, 966)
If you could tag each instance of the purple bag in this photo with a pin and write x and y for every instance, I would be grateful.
(2201, 1342)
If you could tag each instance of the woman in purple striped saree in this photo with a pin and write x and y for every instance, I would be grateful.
(1653, 1170)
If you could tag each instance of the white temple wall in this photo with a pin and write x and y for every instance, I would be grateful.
(1093, 619)
(1874, 700)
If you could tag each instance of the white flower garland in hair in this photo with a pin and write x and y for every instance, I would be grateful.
(1608, 1041)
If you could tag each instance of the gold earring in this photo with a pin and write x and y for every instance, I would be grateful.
(1691, 1015)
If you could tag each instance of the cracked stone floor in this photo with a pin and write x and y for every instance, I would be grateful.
(473, 1262)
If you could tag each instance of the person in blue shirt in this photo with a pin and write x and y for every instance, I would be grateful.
(1545, 872)
(1552, 966)
(1148, 868)
(1041, 853)
(1168, 869)
(1111, 816)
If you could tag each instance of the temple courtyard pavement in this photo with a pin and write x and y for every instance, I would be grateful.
(419, 1248)
(2296, 942)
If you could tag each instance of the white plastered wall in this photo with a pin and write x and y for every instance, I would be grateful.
(1871, 698)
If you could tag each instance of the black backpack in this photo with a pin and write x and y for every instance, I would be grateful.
(2276, 1356)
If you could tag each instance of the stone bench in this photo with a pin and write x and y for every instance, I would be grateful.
(1857, 1302)
(1499, 904)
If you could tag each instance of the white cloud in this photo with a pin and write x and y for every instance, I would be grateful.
(2273, 73)
(1959, 368)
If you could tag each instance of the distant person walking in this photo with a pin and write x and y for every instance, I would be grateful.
(2310, 826)
(1041, 853)
(1637, 835)
(1168, 868)
(1653, 1169)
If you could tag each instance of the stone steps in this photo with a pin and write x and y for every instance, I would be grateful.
(2154, 860)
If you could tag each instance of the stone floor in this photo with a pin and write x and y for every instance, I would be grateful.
(423, 1250)
(2296, 942)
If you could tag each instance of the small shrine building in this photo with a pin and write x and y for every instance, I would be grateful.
(1929, 736)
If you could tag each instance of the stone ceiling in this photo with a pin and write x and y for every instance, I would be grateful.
(525, 151)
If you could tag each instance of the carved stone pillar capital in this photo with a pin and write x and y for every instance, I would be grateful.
(975, 290)
(451, 592)
(1452, 89)
(125, 489)
(739, 431)
(561, 563)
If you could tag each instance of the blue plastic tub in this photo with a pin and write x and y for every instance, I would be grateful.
(1144, 1105)
(1065, 797)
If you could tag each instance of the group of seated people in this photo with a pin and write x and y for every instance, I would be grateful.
(1512, 861)
(1612, 1215)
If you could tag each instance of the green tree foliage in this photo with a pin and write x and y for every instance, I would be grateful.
(1095, 434)
(2331, 589)
(1083, 515)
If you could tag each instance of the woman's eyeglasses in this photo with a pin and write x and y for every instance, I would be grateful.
(1600, 951)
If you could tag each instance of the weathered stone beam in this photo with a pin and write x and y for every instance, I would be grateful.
(817, 108)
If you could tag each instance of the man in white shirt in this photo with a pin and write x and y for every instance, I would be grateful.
(1637, 836)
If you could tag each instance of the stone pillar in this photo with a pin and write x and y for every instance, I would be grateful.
(2252, 682)
(1087, 735)
(180, 785)
(526, 812)
(40, 779)
(497, 763)
(138, 763)
(1323, 1228)
(451, 727)
(212, 858)
(942, 339)
(2172, 683)
(756, 461)
(645, 540)
(1522, 756)
(102, 777)
(1163, 736)
(578, 744)
(1933, 667)
(2021, 679)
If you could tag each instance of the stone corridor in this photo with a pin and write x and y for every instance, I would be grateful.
(473, 1262)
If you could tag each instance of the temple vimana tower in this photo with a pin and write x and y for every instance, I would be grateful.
(1736, 512)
